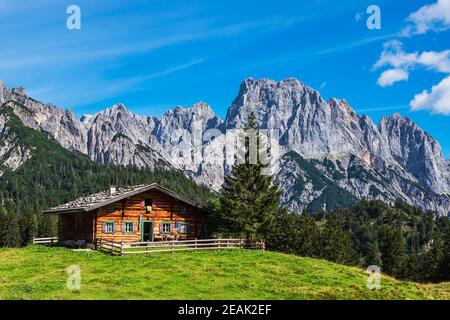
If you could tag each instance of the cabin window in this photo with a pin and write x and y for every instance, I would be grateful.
(184, 227)
(148, 204)
(165, 227)
(128, 227)
(183, 210)
(110, 227)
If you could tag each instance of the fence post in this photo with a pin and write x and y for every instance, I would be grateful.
(112, 246)
(121, 248)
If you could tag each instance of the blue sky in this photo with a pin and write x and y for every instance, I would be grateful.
(154, 55)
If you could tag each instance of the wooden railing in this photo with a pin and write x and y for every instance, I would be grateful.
(48, 240)
(122, 248)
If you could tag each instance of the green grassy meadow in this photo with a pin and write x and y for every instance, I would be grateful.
(38, 272)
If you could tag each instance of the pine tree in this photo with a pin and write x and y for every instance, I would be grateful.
(412, 271)
(374, 257)
(249, 200)
(3, 221)
(47, 225)
(434, 257)
(10, 230)
(393, 252)
(29, 226)
(445, 263)
(285, 234)
(308, 236)
(336, 244)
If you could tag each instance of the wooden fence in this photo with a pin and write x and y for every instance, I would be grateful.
(121, 248)
(49, 240)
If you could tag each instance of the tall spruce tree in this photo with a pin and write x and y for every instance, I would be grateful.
(3, 218)
(445, 263)
(29, 226)
(412, 271)
(10, 233)
(393, 253)
(336, 244)
(434, 255)
(308, 235)
(374, 256)
(249, 199)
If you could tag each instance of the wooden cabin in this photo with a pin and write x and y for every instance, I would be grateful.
(140, 213)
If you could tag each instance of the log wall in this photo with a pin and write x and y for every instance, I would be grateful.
(164, 209)
(76, 226)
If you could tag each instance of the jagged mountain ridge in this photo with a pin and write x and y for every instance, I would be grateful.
(394, 160)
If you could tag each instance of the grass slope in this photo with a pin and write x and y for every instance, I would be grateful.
(39, 273)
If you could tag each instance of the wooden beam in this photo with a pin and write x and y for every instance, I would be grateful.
(124, 201)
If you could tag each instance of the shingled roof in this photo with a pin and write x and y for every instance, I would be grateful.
(104, 198)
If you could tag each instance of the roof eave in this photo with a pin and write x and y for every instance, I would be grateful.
(69, 210)
(125, 196)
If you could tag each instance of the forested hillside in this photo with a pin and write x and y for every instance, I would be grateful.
(54, 175)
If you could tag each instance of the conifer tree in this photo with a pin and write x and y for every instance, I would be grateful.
(374, 257)
(3, 218)
(309, 235)
(29, 226)
(393, 252)
(285, 236)
(445, 264)
(336, 244)
(412, 270)
(434, 256)
(10, 233)
(249, 200)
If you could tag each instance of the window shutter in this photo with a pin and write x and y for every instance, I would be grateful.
(123, 227)
(160, 227)
(114, 227)
(134, 227)
(103, 227)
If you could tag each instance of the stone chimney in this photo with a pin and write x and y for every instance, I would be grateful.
(112, 190)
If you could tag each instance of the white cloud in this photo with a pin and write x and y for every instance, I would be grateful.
(434, 17)
(439, 61)
(393, 55)
(437, 101)
(391, 76)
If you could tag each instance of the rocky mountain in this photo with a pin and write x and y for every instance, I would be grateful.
(329, 154)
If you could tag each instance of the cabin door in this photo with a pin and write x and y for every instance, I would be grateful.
(147, 231)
